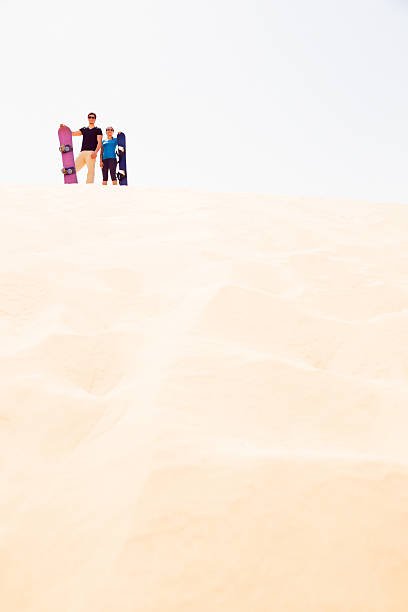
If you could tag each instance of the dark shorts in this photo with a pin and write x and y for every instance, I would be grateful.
(109, 165)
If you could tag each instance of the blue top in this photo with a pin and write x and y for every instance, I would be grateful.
(109, 148)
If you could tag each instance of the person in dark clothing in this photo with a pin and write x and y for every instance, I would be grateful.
(91, 144)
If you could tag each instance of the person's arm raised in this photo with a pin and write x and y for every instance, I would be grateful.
(77, 133)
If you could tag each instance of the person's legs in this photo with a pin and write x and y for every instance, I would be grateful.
(105, 170)
(90, 162)
(80, 161)
(112, 168)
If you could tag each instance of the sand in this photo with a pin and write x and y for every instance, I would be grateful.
(203, 402)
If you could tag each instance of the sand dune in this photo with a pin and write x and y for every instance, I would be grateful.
(203, 402)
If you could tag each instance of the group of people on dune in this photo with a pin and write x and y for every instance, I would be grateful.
(92, 144)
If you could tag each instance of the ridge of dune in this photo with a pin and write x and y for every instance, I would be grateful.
(202, 402)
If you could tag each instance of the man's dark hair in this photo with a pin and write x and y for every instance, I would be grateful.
(94, 114)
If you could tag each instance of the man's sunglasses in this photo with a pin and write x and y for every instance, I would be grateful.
(110, 130)
(91, 117)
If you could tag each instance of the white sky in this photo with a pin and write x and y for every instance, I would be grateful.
(288, 97)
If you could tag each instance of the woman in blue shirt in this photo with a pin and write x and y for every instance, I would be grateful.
(108, 161)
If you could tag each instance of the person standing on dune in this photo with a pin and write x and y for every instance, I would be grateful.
(91, 144)
(108, 160)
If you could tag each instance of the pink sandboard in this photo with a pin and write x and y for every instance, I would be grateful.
(68, 161)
